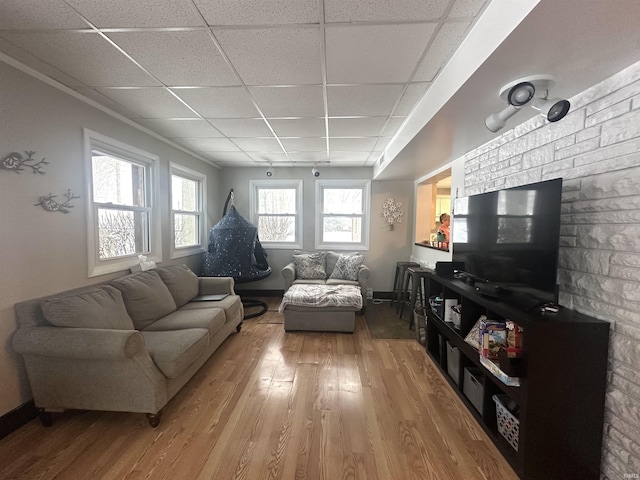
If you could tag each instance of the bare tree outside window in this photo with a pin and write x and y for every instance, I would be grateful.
(119, 194)
(342, 215)
(186, 214)
(277, 214)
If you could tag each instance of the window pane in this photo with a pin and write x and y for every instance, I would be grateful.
(121, 233)
(278, 200)
(117, 181)
(277, 228)
(342, 200)
(184, 194)
(186, 230)
(342, 229)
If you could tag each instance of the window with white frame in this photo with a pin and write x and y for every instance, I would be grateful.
(122, 215)
(276, 208)
(187, 211)
(342, 214)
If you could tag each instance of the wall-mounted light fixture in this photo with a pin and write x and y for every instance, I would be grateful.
(533, 90)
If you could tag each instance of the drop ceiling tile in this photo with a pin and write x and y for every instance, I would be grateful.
(274, 56)
(356, 127)
(411, 96)
(373, 11)
(447, 40)
(352, 144)
(275, 157)
(149, 102)
(85, 56)
(182, 127)
(242, 127)
(298, 101)
(219, 102)
(366, 100)
(24, 14)
(211, 144)
(304, 144)
(348, 157)
(381, 144)
(38, 65)
(309, 157)
(375, 53)
(258, 12)
(258, 144)
(229, 157)
(466, 8)
(299, 127)
(107, 102)
(150, 13)
(392, 126)
(178, 58)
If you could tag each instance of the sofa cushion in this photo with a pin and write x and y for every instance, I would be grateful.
(347, 267)
(310, 266)
(173, 352)
(146, 297)
(231, 305)
(211, 319)
(181, 282)
(101, 307)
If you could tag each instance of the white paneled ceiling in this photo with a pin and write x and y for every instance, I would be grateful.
(247, 82)
(402, 86)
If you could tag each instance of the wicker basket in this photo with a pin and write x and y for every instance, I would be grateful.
(508, 424)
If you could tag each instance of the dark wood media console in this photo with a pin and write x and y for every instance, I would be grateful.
(560, 398)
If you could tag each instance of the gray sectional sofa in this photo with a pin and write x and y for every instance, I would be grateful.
(126, 345)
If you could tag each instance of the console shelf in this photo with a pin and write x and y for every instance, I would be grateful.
(561, 397)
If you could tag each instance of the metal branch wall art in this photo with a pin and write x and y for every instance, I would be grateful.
(50, 205)
(17, 162)
(392, 212)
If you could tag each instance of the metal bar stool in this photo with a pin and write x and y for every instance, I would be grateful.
(417, 276)
(410, 295)
(398, 280)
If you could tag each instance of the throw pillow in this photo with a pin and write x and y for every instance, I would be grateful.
(101, 307)
(310, 266)
(181, 282)
(347, 267)
(146, 297)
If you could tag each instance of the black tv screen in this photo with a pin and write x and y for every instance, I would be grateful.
(511, 237)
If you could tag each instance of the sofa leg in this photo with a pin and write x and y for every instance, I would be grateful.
(239, 327)
(154, 418)
(45, 417)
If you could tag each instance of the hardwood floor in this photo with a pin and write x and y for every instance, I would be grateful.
(270, 405)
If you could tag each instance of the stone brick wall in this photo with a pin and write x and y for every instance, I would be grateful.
(596, 150)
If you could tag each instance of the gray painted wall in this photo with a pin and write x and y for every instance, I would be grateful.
(386, 246)
(596, 150)
(42, 252)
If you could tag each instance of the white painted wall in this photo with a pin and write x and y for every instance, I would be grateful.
(42, 252)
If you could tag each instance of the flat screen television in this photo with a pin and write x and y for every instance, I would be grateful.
(510, 238)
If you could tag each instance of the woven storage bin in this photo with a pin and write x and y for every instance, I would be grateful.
(508, 425)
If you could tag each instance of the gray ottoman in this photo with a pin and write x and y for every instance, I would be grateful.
(321, 308)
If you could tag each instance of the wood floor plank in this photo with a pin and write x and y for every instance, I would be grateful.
(277, 406)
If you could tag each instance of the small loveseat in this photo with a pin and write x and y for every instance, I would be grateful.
(323, 290)
(319, 268)
(127, 345)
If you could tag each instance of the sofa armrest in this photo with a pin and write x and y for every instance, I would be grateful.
(213, 285)
(363, 279)
(80, 343)
(289, 275)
